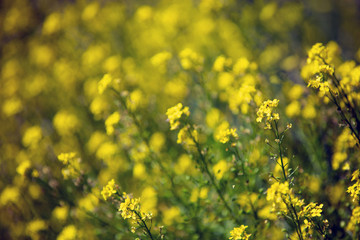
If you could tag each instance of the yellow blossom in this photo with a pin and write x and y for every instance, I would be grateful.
(104, 83)
(160, 60)
(354, 219)
(220, 168)
(239, 233)
(34, 227)
(227, 134)
(190, 60)
(354, 190)
(175, 113)
(109, 189)
(318, 52)
(9, 194)
(111, 121)
(266, 112)
(279, 194)
(66, 158)
(68, 233)
(66, 122)
(186, 137)
(72, 165)
(311, 210)
(32, 136)
(130, 207)
(221, 62)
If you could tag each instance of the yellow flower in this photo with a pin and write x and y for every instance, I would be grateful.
(221, 62)
(354, 190)
(184, 136)
(266, 112)
(326, 69)
(109, 189)
(354, 219)
(130, 207)
(311, 210)
(220, 168)
(104, 83)
(160, 60)
(32, 136)
(65, 158)
(175, 113)
(318, 53)
(225, 135)
(34, 227)
(239, 233)
(68, 233)
(72, 164)
(9, 194)
(66, 123)
(191, 60)
(279, 194)
(112, 120)
(355, 175)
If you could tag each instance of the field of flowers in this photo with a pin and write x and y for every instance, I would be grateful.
(179, 119)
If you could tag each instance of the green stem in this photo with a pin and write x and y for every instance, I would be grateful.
(280, 150)
(237, 155)
(147, 230)
(211, 177)
(294, 216)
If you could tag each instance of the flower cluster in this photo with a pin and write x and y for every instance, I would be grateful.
(354, 190)
(311, 210)
(319, 70)
(72, 165)
(225, 135)
(175, 113)
(187, 136)
(66, 158)
(239, 233)
(190, 60)
(266, 112)
(280, 195)
(111, 121)
(104, 83)
(354, 219)
(129, 207)
(109, 189)
(285, 202)
(318, 53)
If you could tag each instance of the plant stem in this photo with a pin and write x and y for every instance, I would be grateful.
(211, 177)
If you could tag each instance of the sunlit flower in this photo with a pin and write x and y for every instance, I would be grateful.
(175, 113)
(109, 189)
(239, 233)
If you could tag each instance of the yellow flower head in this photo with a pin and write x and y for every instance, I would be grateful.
(311, 210)
(190, 60)
(175, 113)
(109, 189)
(266, 112)
(66, 158)
(318, 53)
(104, 83)
(239, 233)
(354, 219)
(111, 121)
(187, 137)
(225, 135)
(354, 190)
(130, 207)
